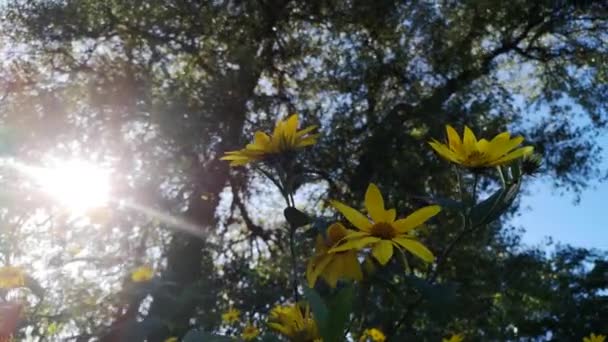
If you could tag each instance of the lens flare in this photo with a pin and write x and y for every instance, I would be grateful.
(77, 185)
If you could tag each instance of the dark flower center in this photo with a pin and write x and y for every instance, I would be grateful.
(383, 230)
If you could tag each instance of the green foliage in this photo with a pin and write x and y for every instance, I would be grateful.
(160, 89)
(332, 314)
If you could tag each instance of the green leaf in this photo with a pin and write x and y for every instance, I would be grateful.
(340, 308)
(331, 318)
(320, 312)
(318, 307)
(200, 336)
(440, 297)
(295, 217)
(494, 206)
(448, 203)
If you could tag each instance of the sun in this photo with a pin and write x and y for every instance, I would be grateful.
(77, 185)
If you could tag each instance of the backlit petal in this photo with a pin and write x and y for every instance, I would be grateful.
(355, 234)
(469, 142)
(353, 216)
(383, 251)
(417, 218)
(261, 139)
(444, 151)
(354, 244)
(415, 248)
(504, 136)
(308, 141)
(454, 139)
(291, 126)
(315, 267)
(352, 268)
(499, 148)
(305, 131)
(374, 203)
(520, 152)
(483, 145)
(334, 270)
(390, 215)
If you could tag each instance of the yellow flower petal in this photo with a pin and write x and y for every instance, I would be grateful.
(417, 218)
(383, 251)
(483, 146)
(415, 248)
(316, 266)
(353, 216)
(504, 136)
(352, 268)
(334, 270)
(374, 203)
(356, 243)
(306, 130)
(291, 126)
(499, 149)
(469, 142)
(454, 139)
(444, 151)
(354, 235)
(390, 215)
(142, 274)
(11, 277)
(261, 138)
(520, 152)
(310, 140)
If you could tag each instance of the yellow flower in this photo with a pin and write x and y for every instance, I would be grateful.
(295, 322)
(285, 138)
(11, 277)
(231, 316)
(384, 232)
(454, 338)
(142, 274)
(172, 339)
(594, 338)
(250, 332)
(472, 153)
(333, 266)
(372, 334)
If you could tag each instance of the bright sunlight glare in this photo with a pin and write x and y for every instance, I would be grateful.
(75, 184)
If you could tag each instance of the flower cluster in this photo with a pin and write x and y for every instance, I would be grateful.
(378, 231)
(294, 322)
(284, 139)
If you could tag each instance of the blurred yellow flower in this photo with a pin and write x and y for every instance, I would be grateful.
(454, 338)
(11, 277)
(142, 274)
(472, 153)
(231, 316)
(384, 232)
(594, 338)
(250, 332)
(172, 339)
(372, 334)
(295, 322)
(333, 266)
(285, 138)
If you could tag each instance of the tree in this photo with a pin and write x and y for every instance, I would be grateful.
(161, 89)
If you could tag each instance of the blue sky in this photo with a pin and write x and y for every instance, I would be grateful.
(545, 213)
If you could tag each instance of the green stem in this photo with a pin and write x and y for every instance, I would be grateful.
(502, 177)
(475, 181)
(460, 185)
(294, 263)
